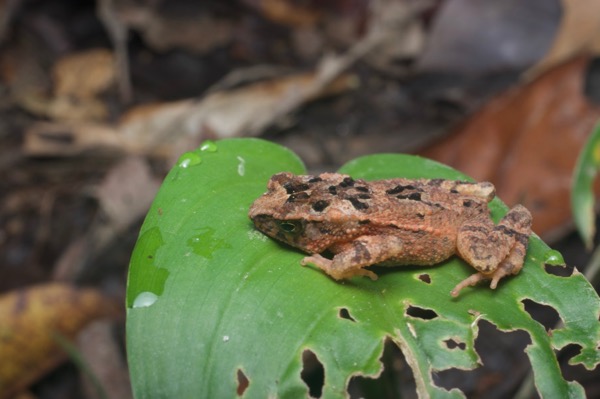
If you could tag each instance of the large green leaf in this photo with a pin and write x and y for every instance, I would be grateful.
(210, 298)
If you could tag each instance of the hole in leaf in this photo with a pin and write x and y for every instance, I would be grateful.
(543, 314)
(568, 352)
(395, 380)
(243, 382)
(569, 371)
(313, 373)
(421, 313)
(560, 271)
(425, 278)
(452, 344)
(345, 314)
(504, 365)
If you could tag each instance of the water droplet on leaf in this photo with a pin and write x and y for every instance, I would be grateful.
(241, 166)
(208, 146)
(553, 257)
(144, 299)
(188, 159)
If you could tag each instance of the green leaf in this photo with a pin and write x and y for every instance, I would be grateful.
(209, 297)
(582, 192)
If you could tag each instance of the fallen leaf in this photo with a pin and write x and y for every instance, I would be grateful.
(127, 191)
(31, 318)
(69, 138)
(84, 75)
(526, 142)
(161, 129)
(124, 196)
(493, 36)
(578, 33)
(245, 111)
(77, 79)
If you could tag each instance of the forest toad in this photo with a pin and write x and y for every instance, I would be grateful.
(392, 222)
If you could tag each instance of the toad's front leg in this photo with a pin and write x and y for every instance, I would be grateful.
(495, 251)
(351, 258)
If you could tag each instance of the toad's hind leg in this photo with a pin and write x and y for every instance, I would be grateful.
(495, 251)
(351, 258)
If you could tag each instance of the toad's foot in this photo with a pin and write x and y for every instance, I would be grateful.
(504, 269)
(336, 273)
(469, 281)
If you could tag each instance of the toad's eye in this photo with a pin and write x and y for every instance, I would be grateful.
(290, 226)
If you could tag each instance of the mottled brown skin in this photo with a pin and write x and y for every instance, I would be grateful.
(392, 222)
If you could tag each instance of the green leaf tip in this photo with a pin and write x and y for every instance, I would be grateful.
(582, 191)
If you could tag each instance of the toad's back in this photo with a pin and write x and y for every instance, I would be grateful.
(332, 209)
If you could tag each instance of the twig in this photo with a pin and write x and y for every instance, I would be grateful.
(118, 36)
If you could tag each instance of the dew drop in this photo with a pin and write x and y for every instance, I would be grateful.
(144, 299)
(241, 166)
(225, 338)
(553, 257)
(188, 159)
(208, 146)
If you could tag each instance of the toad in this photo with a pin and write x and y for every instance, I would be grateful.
(391, 223)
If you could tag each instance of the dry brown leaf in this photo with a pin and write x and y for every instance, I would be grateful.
(78, 80)
(124, 197)
(31, 319)
(164, 129)
(69, 138)
(84, 75)
(126, 192)
(246, 111)
(526, 142)
(579, 32)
